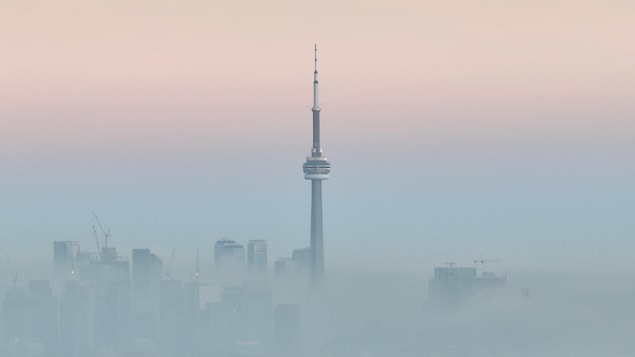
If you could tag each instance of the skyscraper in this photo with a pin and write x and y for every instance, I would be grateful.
(286, 330)
(316, 168)
(147, 272)
(229, 255)
(301, 258)
(65, 255)
(257, 256)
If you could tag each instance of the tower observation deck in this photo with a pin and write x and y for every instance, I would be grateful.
(316, 168)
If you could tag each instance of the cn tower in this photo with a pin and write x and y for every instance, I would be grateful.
(316, 168)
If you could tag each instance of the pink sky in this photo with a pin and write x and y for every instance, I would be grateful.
(101, 76)
(215, 56)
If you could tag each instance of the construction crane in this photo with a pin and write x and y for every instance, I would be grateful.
(105, 232)
(168, 269)
(97, 242)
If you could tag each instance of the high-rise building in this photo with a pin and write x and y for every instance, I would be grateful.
(257, 256)
(316, 168)
(172, 329)
(65, 253)
(286, 328)
(243, 320)
(28, 320)
(112, 315)
(44, 314)
(109, 282)
(281, 267)
(295, 267)
(77, 319)
(452, 285)
(229, 255)
(147, 272)
(301, 258)
(101, 271)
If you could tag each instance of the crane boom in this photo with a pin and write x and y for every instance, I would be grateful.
(97, 242)
(105, 232)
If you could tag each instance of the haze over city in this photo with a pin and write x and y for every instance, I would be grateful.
(457, 132)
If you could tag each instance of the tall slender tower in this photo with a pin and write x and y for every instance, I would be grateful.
(316, 168)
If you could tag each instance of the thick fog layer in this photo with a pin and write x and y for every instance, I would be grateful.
(241, 307)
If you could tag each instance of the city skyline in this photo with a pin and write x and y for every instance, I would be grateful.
(153, 203)
(503, 127)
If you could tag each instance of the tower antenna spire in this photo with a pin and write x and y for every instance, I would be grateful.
(316, 105)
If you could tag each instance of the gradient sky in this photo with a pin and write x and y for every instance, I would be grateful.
(456, 129)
